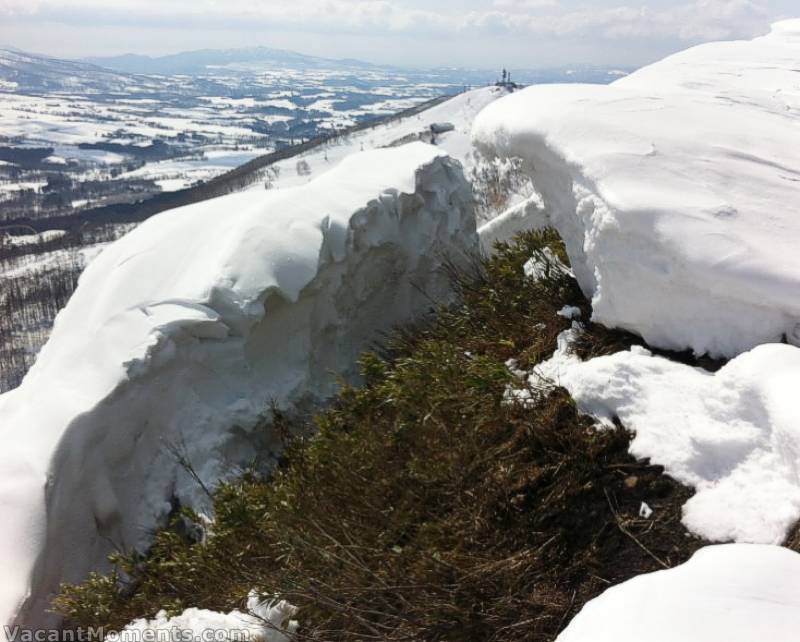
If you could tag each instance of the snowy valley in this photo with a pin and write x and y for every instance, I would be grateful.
(76, 136)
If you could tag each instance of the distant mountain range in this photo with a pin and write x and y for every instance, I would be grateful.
(206, 61)
(254, 59)
(29, 73)
(25, 73)
(34, 73)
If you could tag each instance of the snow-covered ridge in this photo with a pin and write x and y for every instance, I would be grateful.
(675, 190)
(180, 334)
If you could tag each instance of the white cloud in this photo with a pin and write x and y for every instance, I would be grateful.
(525, 5)
(695, 20)
(698, 20)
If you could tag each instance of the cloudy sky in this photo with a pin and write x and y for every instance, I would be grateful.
(484, 33)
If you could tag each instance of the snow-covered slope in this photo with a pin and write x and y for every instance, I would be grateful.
(181, 333)
(731, 593)
(676, 190)
(460, 110)
(24, 72)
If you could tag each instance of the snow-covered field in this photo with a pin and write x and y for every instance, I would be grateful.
(216, 133)
(175, 174)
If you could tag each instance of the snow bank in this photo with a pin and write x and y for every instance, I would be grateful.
(265, 621)
(675, 190)
(731, 593)
(733, 435)
(181, 333)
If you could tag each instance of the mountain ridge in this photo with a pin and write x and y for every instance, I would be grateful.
(201, 61)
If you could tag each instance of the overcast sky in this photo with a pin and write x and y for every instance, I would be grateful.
(487, 33)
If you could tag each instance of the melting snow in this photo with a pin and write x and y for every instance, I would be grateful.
(265, 621)
(733, 435)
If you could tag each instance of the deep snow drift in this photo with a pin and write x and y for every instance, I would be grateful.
(181, 333)
(733, 435)
(676, 190)
(731, 593)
